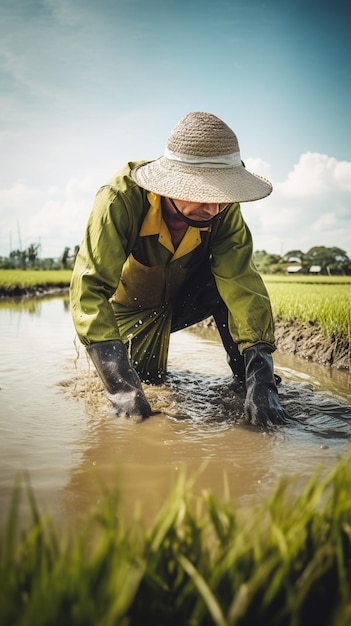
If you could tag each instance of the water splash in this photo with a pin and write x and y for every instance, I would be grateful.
(207, 399)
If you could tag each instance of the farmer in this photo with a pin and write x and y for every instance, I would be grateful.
(165, 247)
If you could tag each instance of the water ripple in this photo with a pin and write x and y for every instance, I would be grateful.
(204, 399)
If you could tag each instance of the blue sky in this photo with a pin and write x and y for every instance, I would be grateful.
(86, 86)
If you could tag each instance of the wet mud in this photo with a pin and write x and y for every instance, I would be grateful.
(306, 341)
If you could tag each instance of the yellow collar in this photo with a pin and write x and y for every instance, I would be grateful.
(154, 224)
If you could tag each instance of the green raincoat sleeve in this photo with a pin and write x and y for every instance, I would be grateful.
(112, 229)
(239, 284)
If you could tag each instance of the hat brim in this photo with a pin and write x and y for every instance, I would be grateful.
(200, 184)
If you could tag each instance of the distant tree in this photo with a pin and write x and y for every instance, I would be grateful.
(19, 258)
(76, 250)
(331, 260)
(294, 255)
(65, 257)
(6, 263)
(33, 253)
(341, 267)
(49, 263)
(267, 263)
(259, 257)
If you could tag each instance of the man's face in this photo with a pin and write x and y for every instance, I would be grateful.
(199, 210)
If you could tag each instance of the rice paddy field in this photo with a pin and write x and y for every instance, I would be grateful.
(200, 562)
(324, 301)
(287, 563)
(12, 280)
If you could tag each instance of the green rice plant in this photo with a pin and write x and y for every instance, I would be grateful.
(284, 563)
(25, 279)
(309, 279)
(327, 306)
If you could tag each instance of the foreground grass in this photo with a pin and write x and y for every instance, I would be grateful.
(287, 563)
(325, 302)
(27, 279)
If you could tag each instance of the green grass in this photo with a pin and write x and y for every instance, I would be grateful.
(306, 278)
(325, 303)
(27, 279)
(286, 563)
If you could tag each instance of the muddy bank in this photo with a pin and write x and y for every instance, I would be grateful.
(307, 342)
(33, 292)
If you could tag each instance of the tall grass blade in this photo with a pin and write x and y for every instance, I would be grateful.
(205, 591)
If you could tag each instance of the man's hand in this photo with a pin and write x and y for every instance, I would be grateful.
(262, 406)
(122, 383)
(128, 403)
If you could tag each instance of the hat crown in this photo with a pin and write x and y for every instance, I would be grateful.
(202, 134)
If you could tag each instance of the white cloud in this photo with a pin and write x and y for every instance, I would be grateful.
(53, 216)
(311, 207)
(258, 166)
(342, 174)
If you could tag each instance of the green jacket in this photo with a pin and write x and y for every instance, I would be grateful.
(127, 273)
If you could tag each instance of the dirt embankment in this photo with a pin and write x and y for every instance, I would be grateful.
(307, 342)
(32, 292)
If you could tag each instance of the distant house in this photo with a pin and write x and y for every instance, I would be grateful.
(315, 269)
(292, 269)
(293, 259)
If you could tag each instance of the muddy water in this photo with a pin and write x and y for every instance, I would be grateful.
(57, 427)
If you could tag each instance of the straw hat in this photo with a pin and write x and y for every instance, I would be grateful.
(201, 163)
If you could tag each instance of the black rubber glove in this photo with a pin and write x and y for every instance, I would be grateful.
(122, 383)
(262, 407)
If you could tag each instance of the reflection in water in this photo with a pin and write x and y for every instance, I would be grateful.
(57, 424)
